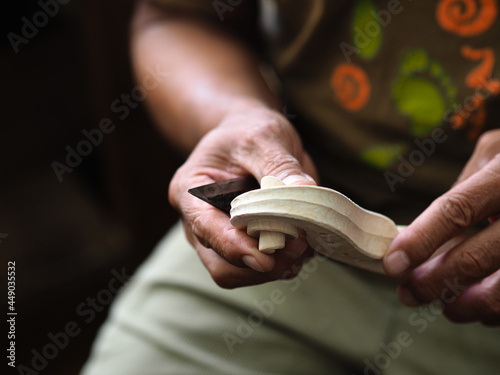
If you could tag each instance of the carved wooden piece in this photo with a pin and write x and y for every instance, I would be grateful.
(334, 225)
(271, 233)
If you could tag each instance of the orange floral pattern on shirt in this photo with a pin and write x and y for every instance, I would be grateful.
(351, 86)
(466, 17)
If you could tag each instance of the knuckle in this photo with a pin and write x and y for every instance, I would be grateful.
(224, 247)
(487, 150)
(217, 240)
(259, 132)
(246, 145)
(425, 291)
(474, 264)
(421, 239)
(494, 166)
(173, 191)
(484, 140)
(280, 162)
(271, 126)
(489, 138)
(457, 211)
(197, 227)
(262, 132)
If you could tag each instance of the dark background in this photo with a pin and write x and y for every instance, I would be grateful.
(67, 237)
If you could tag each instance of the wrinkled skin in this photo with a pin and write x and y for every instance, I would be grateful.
(466, 278)
(259, 142)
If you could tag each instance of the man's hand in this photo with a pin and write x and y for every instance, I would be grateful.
(259, 142)
(217, 100)
(466, 278)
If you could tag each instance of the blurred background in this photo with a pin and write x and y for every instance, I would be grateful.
(69, 239)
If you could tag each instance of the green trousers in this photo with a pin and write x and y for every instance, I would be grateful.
(171, 318)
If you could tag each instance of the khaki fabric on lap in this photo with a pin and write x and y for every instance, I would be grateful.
(172, 319)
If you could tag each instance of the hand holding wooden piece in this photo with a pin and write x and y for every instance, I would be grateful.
(334, 225)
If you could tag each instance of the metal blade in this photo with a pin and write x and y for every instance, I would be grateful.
(221, 193)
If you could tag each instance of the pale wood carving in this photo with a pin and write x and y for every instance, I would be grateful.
(334, 225)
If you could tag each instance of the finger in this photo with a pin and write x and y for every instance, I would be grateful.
(213, 230)
(207, 225)
(465, 205)
(283, 166)
(184, 179)
(227, 275)
(274, 149)
(487, 147)
(480, 302)
(288, 269)
(467, 264)
(294, 248)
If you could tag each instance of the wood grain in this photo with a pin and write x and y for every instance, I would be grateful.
(334, 225)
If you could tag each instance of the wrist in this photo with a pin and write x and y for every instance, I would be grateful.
(251, 108)
(242, 105)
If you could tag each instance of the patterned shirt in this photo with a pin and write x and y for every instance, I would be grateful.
(389, 96)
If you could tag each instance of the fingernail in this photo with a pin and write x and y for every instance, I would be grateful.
(252, 263)
(290, 180)
(407, 298)
(397, 263)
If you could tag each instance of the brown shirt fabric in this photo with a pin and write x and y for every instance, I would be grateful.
(389, 96)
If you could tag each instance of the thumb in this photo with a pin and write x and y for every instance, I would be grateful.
(279, 163)
(274, 148)
(289, 171)
(299, 179)
(308, 176)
